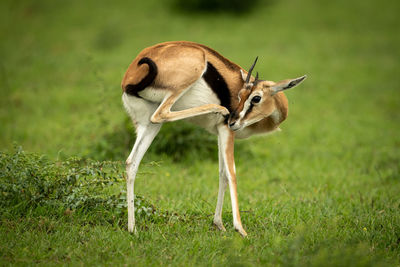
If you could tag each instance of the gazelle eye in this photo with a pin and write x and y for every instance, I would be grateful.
(256, 99)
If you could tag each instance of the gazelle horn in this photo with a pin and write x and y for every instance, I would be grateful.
(250, 70)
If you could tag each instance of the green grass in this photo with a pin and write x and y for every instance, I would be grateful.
(323, 192)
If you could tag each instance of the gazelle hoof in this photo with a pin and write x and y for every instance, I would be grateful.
(132, 229)
(242, 232)
(220, 226)
(225, 112)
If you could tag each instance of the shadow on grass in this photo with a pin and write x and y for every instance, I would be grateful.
(180, 141)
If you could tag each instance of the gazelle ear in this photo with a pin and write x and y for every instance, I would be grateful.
(244, 76)
(286, 84)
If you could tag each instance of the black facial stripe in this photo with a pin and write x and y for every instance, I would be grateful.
(217, 83)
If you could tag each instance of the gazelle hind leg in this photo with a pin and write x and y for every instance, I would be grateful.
(164, 113)
(140, 110)
(227, 146)
(221, 191)
(145, 136)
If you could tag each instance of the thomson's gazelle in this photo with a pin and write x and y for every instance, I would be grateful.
(184, 80)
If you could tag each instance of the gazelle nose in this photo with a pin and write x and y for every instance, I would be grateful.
(232, 124)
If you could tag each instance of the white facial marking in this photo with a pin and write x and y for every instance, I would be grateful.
(198, 94)
(248, 104)
(275, 116)
(245, 108)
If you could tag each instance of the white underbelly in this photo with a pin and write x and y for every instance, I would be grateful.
(198, 94)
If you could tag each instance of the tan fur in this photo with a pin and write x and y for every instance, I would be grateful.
(179, 66)
(180, 63)
(261, 112)
(268, 124)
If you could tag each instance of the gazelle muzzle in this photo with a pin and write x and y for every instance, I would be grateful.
(233, 121)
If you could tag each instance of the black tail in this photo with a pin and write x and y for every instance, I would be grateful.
(134, 89)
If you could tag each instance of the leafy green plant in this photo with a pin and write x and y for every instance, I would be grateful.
(30, 183)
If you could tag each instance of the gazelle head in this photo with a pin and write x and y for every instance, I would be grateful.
(257, 99)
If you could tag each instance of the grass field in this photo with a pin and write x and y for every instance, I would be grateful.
(323, 192)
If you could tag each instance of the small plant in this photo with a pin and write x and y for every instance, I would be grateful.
(30, 183)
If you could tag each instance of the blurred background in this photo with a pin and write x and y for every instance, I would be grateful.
(62, 63)
(322, 192)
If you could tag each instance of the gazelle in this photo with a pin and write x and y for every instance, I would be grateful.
(185, 80)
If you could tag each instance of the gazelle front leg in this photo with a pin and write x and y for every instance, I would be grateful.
(221, 190)
(145, 136)
(226, 146)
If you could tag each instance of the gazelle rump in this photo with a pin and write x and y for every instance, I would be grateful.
(185, 80)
